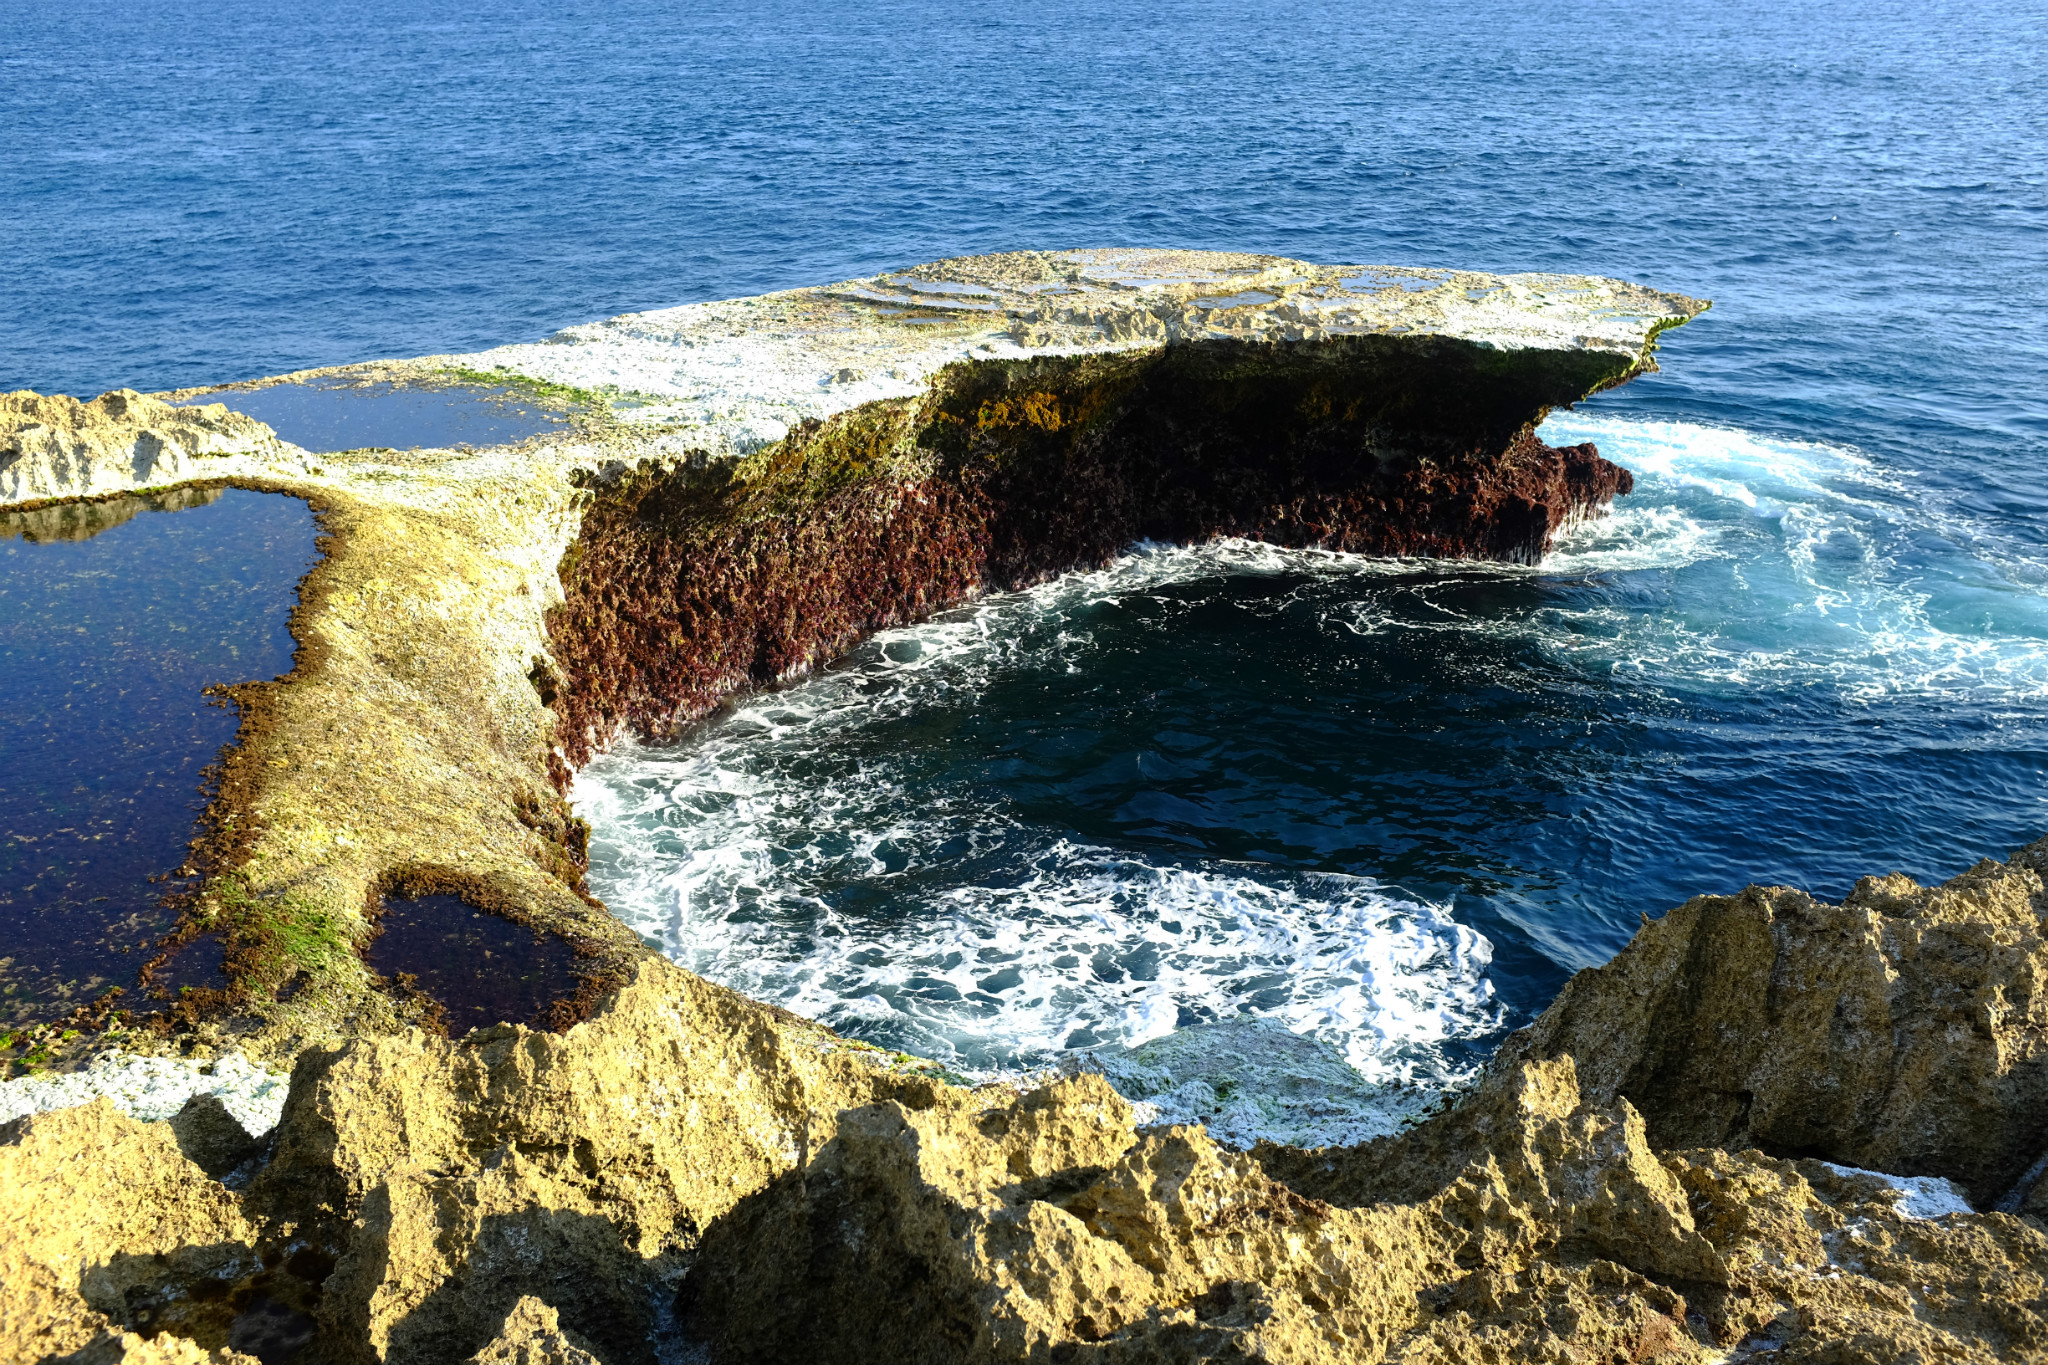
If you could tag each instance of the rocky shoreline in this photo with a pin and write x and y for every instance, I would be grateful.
(691, 1175)
(1676, 1161)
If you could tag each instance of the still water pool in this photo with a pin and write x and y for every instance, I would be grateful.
(115, 617)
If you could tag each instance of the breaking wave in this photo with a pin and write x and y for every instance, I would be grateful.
(826, 846)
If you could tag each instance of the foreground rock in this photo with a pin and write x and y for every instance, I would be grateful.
(692, 1168)
(1904, 1030)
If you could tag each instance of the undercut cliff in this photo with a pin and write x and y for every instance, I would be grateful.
(691, 582)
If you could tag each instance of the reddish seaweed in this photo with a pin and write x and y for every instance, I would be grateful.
(687, 586)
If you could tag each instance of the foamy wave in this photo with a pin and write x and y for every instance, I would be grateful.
(1072, 947)
(1834, 574)
(784, 852)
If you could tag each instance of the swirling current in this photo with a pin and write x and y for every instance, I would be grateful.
(1353, 817)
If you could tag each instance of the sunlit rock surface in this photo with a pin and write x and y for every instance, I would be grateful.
(1744, 1139)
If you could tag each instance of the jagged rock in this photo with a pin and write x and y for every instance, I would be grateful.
(450, 1180)
(211, 1137)
(533, 1335)
(1526, 1225)
(104, 1225)
(130, 1349)
(1903, 1030)
(428, 1199)
(58, 447)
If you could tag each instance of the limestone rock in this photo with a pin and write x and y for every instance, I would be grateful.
(211, 1137)
(1904, 1030)
(533, 1335)
(450, 1179)
(431, 1199)
(105, 1224)
(58, 447)
(164, 1349)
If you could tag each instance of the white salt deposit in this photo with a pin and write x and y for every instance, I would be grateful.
(153, 1088)
(1920, 1196)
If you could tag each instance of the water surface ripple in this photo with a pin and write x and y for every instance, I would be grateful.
(1388, 805)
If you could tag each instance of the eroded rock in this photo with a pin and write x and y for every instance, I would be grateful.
(533, 1335)
(690, 1163)
(57, 447)
(211, 1137)
(1903, 1030)
(105, 1225)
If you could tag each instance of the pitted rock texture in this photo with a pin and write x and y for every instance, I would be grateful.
(533, 1335)
(105, 1225)
(1903, 1030)
(1526, 1225)
(691, 1172)
(58, 447)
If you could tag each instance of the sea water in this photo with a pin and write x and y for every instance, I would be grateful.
(1217, 803)
(1383, 804)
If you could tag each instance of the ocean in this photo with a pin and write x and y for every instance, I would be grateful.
(1386, 808)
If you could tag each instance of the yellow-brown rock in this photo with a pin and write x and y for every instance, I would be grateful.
(1904, 1030)
(533, 1335)
(104, 1224)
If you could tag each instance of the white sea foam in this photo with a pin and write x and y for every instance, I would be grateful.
(776, 852)
(1825, 570)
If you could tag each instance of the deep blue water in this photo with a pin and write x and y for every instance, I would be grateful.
(114, 619)
(1815, 644)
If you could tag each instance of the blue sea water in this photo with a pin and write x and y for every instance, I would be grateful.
(1389, 806)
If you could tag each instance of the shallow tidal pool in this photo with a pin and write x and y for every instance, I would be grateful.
(115, 617)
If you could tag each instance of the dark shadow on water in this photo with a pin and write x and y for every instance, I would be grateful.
(114, 619)
(469, 967)
(329, 415)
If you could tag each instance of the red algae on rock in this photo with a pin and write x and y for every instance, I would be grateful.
(688, 584)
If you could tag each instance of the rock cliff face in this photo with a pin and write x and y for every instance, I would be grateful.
(686, 586)
(689, 1171)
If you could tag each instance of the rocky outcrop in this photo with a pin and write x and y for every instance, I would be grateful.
(1527, 1225)
(57, 447)
(748, 487)
(533, 1335)
(105, 1226)
(691, 1168)
(1905, 1029)
(687, 584)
